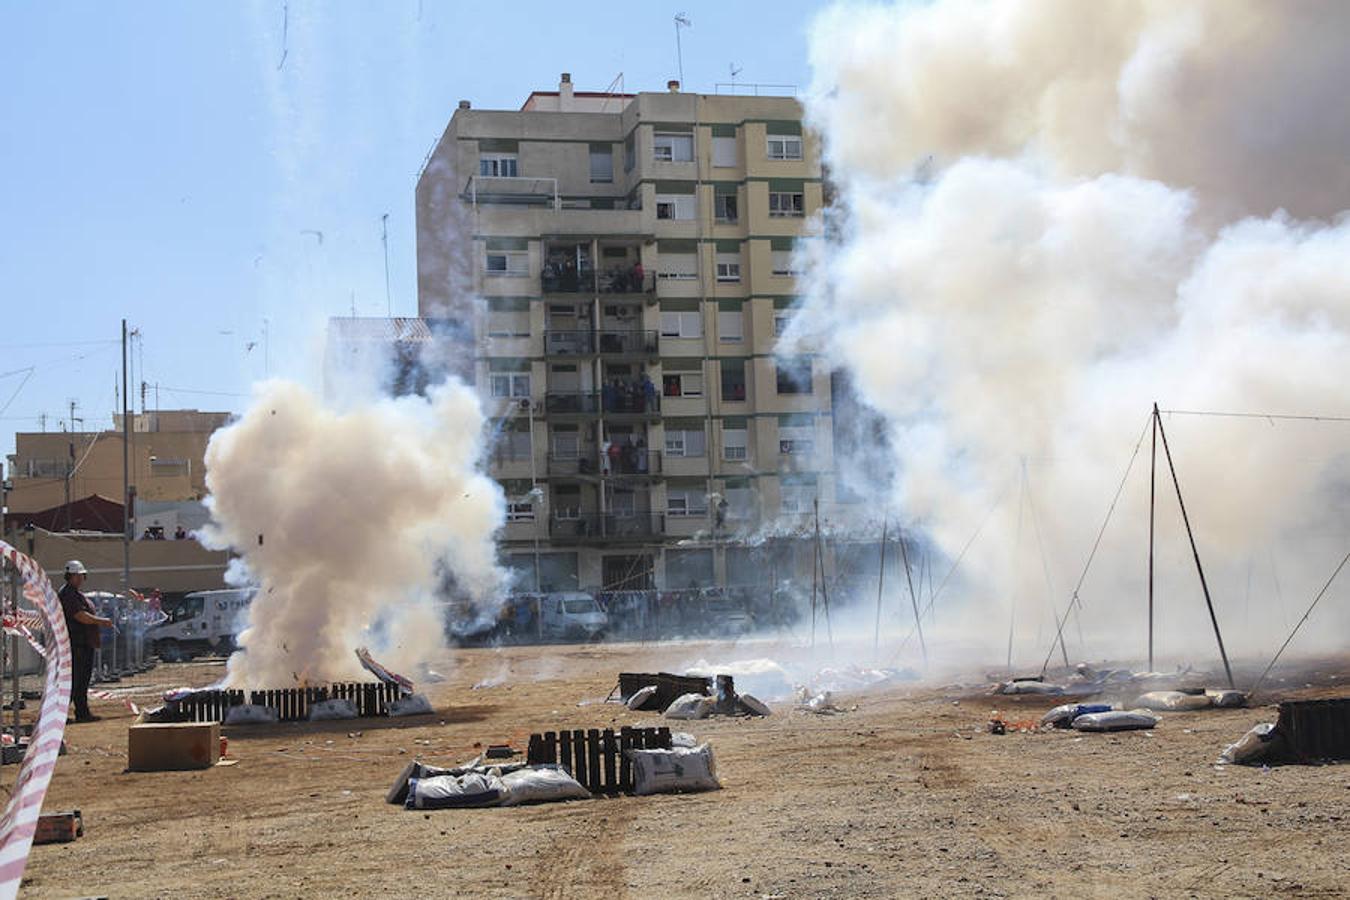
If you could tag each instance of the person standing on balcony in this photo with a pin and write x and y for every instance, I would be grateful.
(648, 392)
(639, 277)
(615, 452)
(641, 453)
(604, 457)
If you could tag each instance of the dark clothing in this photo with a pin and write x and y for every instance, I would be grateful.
(72, 602)
(82, 671)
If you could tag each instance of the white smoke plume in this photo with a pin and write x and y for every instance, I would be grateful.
(1050, 214)
(352, 522)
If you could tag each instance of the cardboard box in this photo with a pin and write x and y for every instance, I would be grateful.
(58, 828)
(173, 745)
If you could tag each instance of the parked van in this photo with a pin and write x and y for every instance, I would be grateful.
(202, 622)
(572, 616)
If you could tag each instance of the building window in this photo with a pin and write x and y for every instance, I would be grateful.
(794, 376)
(724, 207)
(785, 146)
(497, 165)
(786, 204)
(673, 147)
(510, 385)
(508, 323)
(602, 164)
(724, 152)
(687, 324)
(781, 263)
(733, 379)
(728, 267)
(510, 263)
(780, 323)
(685, 442)
(797, 498)
(520, 511)
(682, 384)
(796, 441)
(730, 326)
(675, 206)
(735, 443)
(686, 501)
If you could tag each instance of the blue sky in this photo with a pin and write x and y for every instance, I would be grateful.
(162, 162)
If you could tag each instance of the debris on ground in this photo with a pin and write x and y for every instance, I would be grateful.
(822, 702)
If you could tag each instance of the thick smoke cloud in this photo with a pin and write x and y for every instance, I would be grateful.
(349, 520)
(1050, 215)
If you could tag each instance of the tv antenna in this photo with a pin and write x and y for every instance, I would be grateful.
(735, 70)
(681, 21)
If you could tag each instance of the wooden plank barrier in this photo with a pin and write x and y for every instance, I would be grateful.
(291, 704)
(596, 758)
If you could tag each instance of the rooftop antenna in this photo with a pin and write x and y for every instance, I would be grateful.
(681, 20)
(734, 72)
(384, 238)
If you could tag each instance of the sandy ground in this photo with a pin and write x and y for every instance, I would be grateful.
(903, 796)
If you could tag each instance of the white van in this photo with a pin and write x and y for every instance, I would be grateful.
(572, 616)
(203, 622)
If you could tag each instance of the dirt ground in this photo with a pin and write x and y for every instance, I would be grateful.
(905, 795)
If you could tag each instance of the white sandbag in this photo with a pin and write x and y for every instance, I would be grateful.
(1116, 720)
(454, 791)
(1032, 687)
(682, 739)
(691, 706)
(677, 769)
(248, 714)
(1173, 701)
(1254, 746)
(641, 696)
(1063, 716)
(1227, 699)
(337, 708)
(541, 784)
(411, 705)
(754, 705)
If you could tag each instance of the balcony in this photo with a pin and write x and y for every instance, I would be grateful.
(568, 279)
(572, 403)
(634, 526)
(629, 463)
(631, 342)
(569, 343)
(626, 402)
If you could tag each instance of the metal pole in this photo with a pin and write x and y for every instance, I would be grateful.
(1204, 586)
(881, 580)
(12, 652)
(1152, 506)
(384, 238)
(534, 489)
(815, 572)
(126, 469)
(913, 599)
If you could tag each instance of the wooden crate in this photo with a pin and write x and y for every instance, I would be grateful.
(1315, 730)
(668, 687)
(596, 758)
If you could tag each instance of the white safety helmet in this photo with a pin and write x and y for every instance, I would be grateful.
(75, 567)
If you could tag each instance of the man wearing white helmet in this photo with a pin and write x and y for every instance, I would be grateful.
(84, 624)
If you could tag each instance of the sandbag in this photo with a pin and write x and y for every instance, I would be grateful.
(336, 708)
(1227, 699)
(691, 706)
(754, 705)
(541, 784)
(1063, 716)
(1256, 745)
(641, 696)
(1032, 687)
(682, 739)
(1173, 701)
(674, 770)
(398, 792)
(411, 705)
(248, 714)
(454, 791)
(1116, 720)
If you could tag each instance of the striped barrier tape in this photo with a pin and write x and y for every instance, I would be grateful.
(21, 626)
(404, 684)
(20, 818)
(117, 698)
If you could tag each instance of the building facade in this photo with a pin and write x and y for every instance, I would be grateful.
(627, 264)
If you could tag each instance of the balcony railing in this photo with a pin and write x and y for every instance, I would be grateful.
(555, 279)
(572, 403)
(631, 342)
(569, 343)
(626, 399)
(632, 461)
(629, 461)
(608, 527)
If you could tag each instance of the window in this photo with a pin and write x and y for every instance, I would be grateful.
(780, 323)
(724, 152)
(682, 324)
(686, 501)
(510, 385)
(785, 146)
(730, 326)
(511, 263)
(520, 511)
(682, 384)
(735, 443)
(792, 443)
(513, 443)
(673, 147)
(733, 380)
(740, 502)
(724, 207)
(497, 165)
(728, 267)
(797, 498)
(675, 206)
(794, 376)
(685, 442)
(781, 263)
(783, 204)
(566, 444)
(508, 323)
(602, 164)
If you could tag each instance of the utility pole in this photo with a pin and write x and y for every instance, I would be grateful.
(126, 468)
(384, 238)
(1152, 506)
(881, 581)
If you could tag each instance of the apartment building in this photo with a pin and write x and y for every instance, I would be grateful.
(627, 262)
